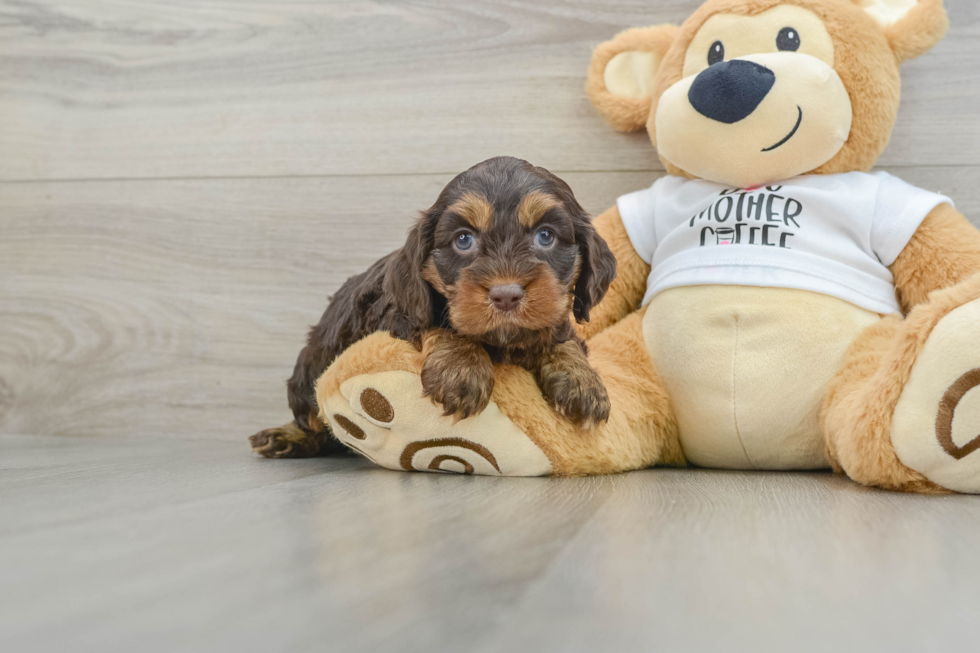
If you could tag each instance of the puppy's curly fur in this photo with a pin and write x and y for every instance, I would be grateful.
(491, 273)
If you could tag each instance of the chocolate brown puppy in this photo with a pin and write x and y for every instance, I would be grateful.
(492, 273)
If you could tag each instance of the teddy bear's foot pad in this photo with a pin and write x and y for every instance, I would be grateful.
(386, 418)
(936, 424)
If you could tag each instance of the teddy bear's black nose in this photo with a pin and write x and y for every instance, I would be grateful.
(730, 91)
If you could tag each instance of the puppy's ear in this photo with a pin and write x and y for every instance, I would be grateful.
(598, 267)
(621, 75)
(408, 292)
(912, 27)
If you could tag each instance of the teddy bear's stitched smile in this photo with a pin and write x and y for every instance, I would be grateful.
(791, 134)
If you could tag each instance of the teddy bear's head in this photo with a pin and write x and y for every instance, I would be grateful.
(748, 92)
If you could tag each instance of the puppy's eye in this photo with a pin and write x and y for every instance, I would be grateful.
(717, 53)
(788, 40)
(544, 239)
(464, 241)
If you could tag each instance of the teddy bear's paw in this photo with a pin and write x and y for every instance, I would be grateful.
(936, 423)
(386, 418)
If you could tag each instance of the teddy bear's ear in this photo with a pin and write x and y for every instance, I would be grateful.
(913, 27)
(621, 75)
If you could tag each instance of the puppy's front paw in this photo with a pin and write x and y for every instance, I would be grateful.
(457, 374)
(581, 397)
(573, 387)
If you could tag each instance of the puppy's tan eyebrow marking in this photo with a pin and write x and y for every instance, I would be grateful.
(475, 209)
(533, 207)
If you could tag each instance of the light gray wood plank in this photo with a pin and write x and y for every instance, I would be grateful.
(707, 561)
(298, 565)
(99, 472)
(177, 308)
(168, 547)
(140, 89)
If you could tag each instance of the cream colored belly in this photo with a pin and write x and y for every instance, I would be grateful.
(746, 370)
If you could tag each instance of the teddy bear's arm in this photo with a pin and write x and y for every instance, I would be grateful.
(944, 251)
(626, 292)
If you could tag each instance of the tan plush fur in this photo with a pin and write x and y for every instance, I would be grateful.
(864, 62)
(626, 292)
(919, 31)
(641, 430)
(938, 272)
(943, 252)
(859, 403)
(381, 353)
(625, 114)
(867, 61)
(857, 433)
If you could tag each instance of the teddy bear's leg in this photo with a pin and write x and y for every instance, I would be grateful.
(372, 396)
(904, 411)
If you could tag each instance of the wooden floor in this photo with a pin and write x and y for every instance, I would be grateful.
(126, 544)
(183, 183)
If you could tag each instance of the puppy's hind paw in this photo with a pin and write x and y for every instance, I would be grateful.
(288, 441)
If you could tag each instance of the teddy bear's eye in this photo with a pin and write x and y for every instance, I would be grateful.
(717, 53)
(788, 39)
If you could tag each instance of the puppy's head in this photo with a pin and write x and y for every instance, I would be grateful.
(510, 250)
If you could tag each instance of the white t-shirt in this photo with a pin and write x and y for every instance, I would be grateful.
(831, 234)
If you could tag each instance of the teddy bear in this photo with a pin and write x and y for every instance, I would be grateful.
(778, 306)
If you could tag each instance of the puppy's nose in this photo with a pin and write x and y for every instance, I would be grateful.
(506, 298)
(730, 91)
